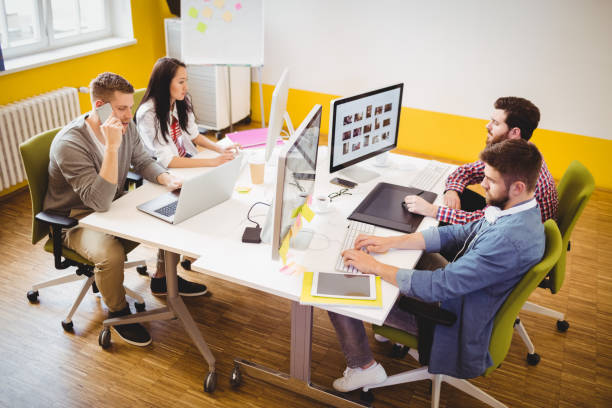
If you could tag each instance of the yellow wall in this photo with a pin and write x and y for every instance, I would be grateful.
(133, 62)
(457, 137)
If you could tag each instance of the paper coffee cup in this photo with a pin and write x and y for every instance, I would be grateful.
(257, 166)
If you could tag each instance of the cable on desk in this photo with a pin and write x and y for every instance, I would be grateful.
(249, 213)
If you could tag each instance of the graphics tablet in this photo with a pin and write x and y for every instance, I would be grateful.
(383, 207)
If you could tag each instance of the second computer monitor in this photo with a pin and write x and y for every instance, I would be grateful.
(278, 113)
(363, 126)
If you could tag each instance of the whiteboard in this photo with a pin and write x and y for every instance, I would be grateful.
(222, 32)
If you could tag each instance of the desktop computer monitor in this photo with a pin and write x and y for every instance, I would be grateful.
(361, 127)
(295, 180)
(278, 113)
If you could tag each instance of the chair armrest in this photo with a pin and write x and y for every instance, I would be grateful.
(56, 220)
(57, 223)
(427, 311)
(133, 178)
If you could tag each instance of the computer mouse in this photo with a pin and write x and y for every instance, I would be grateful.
(405, 206)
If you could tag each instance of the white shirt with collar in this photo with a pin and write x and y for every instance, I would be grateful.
(152, 137)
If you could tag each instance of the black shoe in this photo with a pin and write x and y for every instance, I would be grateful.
(185, 288)
(133, 333)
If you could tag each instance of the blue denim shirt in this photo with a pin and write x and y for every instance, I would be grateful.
(474, 287)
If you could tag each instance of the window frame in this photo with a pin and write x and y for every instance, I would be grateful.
(44, 24)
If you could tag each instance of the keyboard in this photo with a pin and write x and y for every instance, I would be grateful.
(167, 210)
(354, 228)
(430, 175)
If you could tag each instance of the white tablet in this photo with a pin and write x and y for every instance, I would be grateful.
(344, 285)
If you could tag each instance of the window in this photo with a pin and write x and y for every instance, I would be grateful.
(31, 26)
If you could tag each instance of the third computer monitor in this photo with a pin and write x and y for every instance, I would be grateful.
(363, 126)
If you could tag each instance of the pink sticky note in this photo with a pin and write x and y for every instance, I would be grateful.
(310, 199)
(238, 6)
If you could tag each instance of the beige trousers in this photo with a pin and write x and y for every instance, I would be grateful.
(107, 253)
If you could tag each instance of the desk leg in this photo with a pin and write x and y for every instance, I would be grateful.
(176, 305)
(298, 380)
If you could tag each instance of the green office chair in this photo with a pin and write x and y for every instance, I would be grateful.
(138, 95)
(575, 190)
(501, 337)
(35, 156)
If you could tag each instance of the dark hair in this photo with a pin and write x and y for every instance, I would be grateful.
(521, 114)
(159, 91)
(104, 86)
(515, 160)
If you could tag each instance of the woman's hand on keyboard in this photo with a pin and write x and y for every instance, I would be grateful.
(418, 205)
(373, 243)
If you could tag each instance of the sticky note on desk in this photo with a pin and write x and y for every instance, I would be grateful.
(243, 189)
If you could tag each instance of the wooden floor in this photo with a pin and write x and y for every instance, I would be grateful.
(41, 365)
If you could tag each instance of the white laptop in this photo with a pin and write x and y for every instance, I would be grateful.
(197, 194)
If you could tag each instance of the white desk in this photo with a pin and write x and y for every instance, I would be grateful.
(214, 237)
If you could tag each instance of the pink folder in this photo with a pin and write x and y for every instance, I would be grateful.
(251, 138)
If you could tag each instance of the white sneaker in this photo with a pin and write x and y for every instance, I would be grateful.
(379, 338)
(357, 378)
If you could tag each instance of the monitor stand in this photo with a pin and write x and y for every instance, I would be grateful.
(302, 239)
(359, 174)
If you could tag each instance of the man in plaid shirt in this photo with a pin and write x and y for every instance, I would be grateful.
(512, 118)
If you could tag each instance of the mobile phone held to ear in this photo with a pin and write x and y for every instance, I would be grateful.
(343, 182)
(104, 112)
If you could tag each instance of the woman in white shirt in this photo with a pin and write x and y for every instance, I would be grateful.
(166, 122)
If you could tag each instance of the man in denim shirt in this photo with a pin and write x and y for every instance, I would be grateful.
(492, 255)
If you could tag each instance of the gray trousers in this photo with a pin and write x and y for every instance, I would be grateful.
(351, 332)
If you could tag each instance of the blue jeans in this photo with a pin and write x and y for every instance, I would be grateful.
(351, 332)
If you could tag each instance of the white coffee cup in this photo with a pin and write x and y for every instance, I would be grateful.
(321, 203)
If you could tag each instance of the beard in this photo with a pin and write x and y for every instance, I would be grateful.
(499, 202)
(493, 140)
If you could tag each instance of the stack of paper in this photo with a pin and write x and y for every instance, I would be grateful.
(251, 138)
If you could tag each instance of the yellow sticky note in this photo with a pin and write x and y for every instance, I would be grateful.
(207, 12)
(297, 225)
(285, 248)
(243, 189)
(193, 12)
(227, 16)
(307, 212)
(219, 3)
(201, 27)
(296, 211)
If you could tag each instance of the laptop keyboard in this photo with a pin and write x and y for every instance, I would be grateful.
(168, 210)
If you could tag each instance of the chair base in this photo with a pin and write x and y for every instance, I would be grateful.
(532, 307)
(422, 373)
(87, 283)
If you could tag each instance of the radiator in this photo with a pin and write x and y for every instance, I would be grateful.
(23, 119)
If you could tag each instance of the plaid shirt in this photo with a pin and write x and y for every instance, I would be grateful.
(473, 173)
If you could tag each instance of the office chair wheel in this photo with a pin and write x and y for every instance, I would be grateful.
(562, 325)
(104, 339)
(68, 326)
(533, 359)
(236, 377)
(186, 264)
(140, 307)
(398, 351)
(367, 396)
(33, 296)
(210, 382)
(142, 270)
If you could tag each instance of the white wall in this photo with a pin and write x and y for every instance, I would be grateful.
(454, 56)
